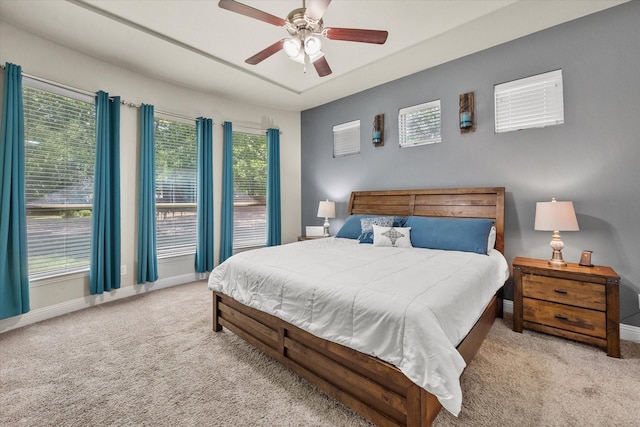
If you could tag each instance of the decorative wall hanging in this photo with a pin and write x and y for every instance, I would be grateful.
(467, 115)
(378, 131)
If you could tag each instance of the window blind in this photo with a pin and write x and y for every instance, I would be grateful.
(420, 124)
(249, 190)
(176, 212)
(529, 103)
(346, 139)
(60, 144)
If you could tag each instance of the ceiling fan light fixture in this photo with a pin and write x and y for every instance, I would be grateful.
(300, 57)
(292, 47)
(312, 45)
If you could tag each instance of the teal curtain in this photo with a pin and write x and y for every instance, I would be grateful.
(226, 226)
(274, 222)
(147, 254)
(14, 278)
(204, 244)
(104, 273)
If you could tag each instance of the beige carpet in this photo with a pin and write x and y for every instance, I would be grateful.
(152, 360)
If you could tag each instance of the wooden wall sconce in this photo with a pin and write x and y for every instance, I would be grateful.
(467, 114)
(378, 131)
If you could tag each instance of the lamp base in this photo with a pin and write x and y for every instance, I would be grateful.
(557, 263)
(556, 256)
(326, 228)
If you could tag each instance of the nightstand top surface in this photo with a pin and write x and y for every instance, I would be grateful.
(543, 264)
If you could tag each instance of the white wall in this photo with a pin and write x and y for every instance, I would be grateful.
(44, 59)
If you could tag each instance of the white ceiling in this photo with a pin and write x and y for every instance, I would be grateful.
(196, 44)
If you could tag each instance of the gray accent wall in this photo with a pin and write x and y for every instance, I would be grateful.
(592, 159)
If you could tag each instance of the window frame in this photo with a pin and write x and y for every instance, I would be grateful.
(528, 103)
(59, 275)
(256, 243)
(433, 128)
(182, 207)
(346, 139)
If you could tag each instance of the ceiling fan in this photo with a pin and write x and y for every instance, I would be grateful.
(306, 28)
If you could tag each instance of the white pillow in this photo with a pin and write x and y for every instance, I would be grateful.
(491, 241)
(398, 237)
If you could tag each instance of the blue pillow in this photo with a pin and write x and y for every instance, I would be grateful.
(451, 234)
(351, 228)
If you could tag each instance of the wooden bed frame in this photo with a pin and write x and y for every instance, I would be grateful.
(371, 387)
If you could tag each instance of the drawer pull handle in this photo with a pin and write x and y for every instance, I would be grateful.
(561, 291)
(561, 317)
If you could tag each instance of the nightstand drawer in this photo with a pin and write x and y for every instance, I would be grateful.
(574, 319)
(572, 292)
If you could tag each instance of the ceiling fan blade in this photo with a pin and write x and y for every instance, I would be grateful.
(251, 12)
(357, 35)
(315, 9)
(265, 53)
(322, 67)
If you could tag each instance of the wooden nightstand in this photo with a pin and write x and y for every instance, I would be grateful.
(575, 302)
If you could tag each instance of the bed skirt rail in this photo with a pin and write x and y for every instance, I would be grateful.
(371, 387)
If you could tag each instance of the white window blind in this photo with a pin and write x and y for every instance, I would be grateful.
(420, 124)
(176, 214)
(60, 140)
(531, 102)
(346, 139)
(249, 190)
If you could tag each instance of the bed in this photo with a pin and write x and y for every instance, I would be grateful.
(376, 389)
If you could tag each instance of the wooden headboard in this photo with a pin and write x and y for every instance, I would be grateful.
(484, 202)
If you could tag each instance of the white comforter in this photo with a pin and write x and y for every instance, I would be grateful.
(408, 306)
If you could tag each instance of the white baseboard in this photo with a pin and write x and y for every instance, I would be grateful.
(627, 332)
(55, 310)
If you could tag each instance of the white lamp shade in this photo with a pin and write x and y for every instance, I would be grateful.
(292, 47)
(555, 216)
(312, 45)
(327, 209)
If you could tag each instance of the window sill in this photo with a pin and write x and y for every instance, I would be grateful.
(63, 277)
(180, 255)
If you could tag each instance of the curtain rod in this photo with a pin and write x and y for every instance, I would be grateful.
(250, 127)
(52, 83)
(92, 94)
(164, 113)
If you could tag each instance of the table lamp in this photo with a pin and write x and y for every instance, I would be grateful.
(556, 216)
(326, 210)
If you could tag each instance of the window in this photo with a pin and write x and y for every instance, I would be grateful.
(60, 141)
(527, 103)
(346, 139)
(176, 214)
(249, 190)
(420, 124)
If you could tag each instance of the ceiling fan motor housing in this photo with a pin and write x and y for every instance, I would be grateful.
(298, 22)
